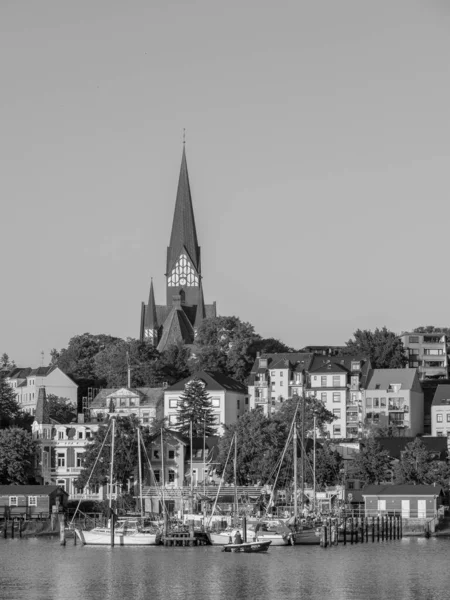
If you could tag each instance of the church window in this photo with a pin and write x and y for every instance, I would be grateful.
(183, 273)
(149, 334)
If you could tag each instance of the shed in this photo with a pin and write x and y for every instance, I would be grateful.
(31, 501)
(408, 500)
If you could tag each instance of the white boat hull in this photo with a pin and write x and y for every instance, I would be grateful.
(224, 538)
(102, 537)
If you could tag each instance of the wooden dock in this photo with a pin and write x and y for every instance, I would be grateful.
(361, 530)
(185, 538)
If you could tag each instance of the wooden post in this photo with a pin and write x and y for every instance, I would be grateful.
(12, 529)
(378, 529)
(345, 531)
(351, 530)
(356, 531)
(62, 529)
(112, 519)
(367, 528)
(373, 529)
(20, 527)
(324, 533)
(5, 530)
(244, 528)
(74, 537)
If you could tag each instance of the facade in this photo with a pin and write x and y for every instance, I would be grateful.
(229, 398)
(339, 382)
(60, 451)
(144, 402)
(427, 352)
(394, 398)
(409, 501)
(30, 501)
(179, 318)
(277, 377)
(27, 382)
(440, 412)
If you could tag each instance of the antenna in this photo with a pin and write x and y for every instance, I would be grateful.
(42, 358)
(128, 370)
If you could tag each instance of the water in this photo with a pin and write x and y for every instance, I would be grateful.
(408, 569)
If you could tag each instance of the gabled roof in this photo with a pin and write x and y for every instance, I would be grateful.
(42, 371)
(171, 433)
(213, 381)
(396, 445)
(441, 396)
(176, 329)
(211, 446)
(19, 373)
(149, 397)
(330, 368)
(28, 490)
(383, 378)
(296, 361)
(403, 489)
(184, 233)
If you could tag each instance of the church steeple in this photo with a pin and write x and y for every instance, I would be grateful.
(151, 319)
(183, 253)
(200, 312)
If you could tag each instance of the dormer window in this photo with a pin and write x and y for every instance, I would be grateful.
(356, 366)
(263, 363)
(394, 387)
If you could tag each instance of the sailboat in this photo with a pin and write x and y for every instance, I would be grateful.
(127, 532)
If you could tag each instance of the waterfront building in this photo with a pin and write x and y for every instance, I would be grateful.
(394, 398)
(229, 398)
(177, 321)
(427, 352)
(146, 403)
(30, 501)
(440, 412)
(408, 500)
(26, 383)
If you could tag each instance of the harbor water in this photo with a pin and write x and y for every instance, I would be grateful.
(407, 569)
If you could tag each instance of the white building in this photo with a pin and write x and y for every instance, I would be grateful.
(440, 412)
(146, 403)
(229, 398)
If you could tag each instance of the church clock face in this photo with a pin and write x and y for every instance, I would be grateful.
(183, 273)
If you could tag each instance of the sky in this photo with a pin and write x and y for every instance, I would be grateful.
(317, 140)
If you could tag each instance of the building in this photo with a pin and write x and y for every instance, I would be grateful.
(427, 352)
(27, 382)
(30, 501)
(146, 403)
(409, 501)
(394, 398)
(60, 449)
(440, 412)
(339, 382)
(277, 377)
(178, 319)
(229, 398)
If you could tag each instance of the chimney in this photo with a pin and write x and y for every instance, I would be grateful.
(80, 418)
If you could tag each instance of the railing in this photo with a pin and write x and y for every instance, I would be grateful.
(261, 384)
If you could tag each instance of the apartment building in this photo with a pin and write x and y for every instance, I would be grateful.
(427, 352)
(145, 403)
(440, 412)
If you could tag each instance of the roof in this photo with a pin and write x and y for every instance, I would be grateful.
(330, 368)
(383, 378)
(441, 396)
(42, 415)
(200, 313)
(396, 445)
(28, 490)
(402, 489)
(19, 372)
(211, 446)
(296, 361)
(42, 371)
(151, 320)
(184, 233)
(176, 329)
(149, 397)
(213, 381)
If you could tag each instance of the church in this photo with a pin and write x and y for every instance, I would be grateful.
(177, 321)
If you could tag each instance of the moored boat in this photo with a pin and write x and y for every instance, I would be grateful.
(247, 547)
(126, 533)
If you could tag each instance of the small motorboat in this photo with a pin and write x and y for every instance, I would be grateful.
(247, 547)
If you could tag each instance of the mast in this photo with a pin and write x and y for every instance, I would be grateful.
(111, 512)
(314, 465)
(140, 472)
(162, 472)
(192, 472)
(235, 480)
(303, 451)
(295, 470)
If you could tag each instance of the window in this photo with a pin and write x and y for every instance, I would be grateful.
(272, 373)
(448, 417)
(383, 402)
(281, 373)
(32, 500)
(336, 397)
(173, 403)
(336, 380)
(156, 454)
(60, 435)
(281, 383)
(79, 460)
(376, 403)
(146, 417)
(238, 404)
(263, 363)
(413, 364)
(369, 402)
(157, 474)
(440, 433)
(132, 401)
(171, 454)
(351, 485)
(88, 434)
(431, 339)
(246, 401)
(323, 381)
(13, 500)
(413, 352)
(61, 459)
(439, 417)
(323, 397)
(355, 366)
(173, 419)
(433, 352)
(171, 476)
(337, 413)
(336, 430)
(215, 402)
(413, 339)
(123, 402)
(80, 435)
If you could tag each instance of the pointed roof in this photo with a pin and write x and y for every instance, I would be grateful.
(151, 320)
(177, 329)
(42, 415)
(200, 313)
(184, 233)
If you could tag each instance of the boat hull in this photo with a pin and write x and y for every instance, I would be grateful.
(102, 537)
(247, 547)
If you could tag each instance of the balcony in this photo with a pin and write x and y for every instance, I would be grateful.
(261, 384)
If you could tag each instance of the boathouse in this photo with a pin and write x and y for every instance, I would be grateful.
(30, 501)
(408, 500)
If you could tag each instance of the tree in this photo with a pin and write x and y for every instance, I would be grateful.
(270, 346)
(372, 464)
(17, 452)
(383, 347)
(328, 466)
(418, 465)
(5, 362)
(432, 329)
(9, 407)
(175, 363)
(61, 409)
(125, 452)
(195, 407)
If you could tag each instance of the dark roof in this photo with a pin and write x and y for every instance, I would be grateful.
(28, 490)
(330, 368)
(211, 446)
(344, 361)
(171, 433)
(151, 320)
(43, 371)
(403, 489)
(213, 381)
(19, 372)
(297, 361)
(441, 396)
(177, 328)
(184, 233)
(396, 445)
(200, 312)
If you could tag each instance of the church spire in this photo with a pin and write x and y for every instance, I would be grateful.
(184, 233)
(151, 320)
(200, 313)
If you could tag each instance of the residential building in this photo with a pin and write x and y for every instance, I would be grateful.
(339, 382)
(427, 352)
(26, 382)
(277, 377)
(146, 403)
(394, 398)
(179, 318)
(30, 501)
(229, 398)
(440, 412)
(60, 451)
